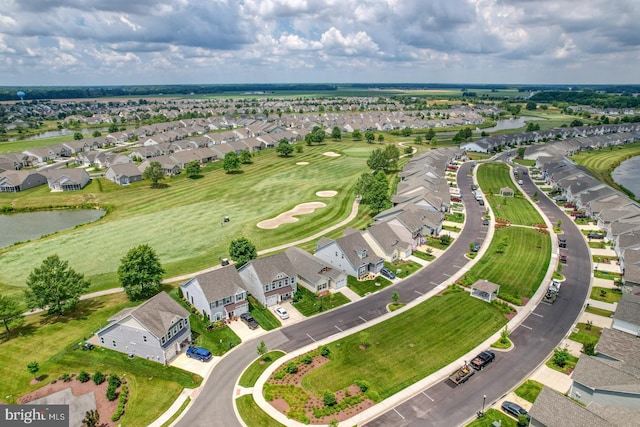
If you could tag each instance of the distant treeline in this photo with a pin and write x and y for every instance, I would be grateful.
(93, 92)
(593, 99)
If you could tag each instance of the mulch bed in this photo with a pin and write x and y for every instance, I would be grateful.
(316, 402)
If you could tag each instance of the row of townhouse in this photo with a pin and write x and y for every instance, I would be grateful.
(13, 181)
(158, 329)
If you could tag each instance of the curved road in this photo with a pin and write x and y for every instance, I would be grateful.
(450, 407)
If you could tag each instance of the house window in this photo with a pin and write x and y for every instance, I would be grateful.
(113, 342)
(162, 340)
(144, 338)
(101, 340)
(169, 335)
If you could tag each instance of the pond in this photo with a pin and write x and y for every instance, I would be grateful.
(627, 175)
(61, 132)
(20, 227)
(511, 123)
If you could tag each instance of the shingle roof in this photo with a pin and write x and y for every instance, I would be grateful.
(555, 410)
(620, 345)
(602, 374)
(309, 267)
(269, 267)
(628, 309)
(220, 283)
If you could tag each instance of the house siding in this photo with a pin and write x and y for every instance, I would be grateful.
(332, 254)
(627, 327)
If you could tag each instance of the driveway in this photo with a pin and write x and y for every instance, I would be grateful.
(193, 365)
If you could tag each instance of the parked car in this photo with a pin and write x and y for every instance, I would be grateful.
(520, 182)
(199, 353)
(482, 360)
(592, 235)
(562, 242)
(87, 346)
(514, 409)
(481, 202)
(563, 258)
(282, 313)
(476, 247)
(456, 199)
(387, 273)
(485, 222)
(474, 187)
(249, 320)
(581, 215)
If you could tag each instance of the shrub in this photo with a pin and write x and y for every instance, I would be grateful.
(307, 359)
(560, 357)
(111, 393)
(364, 385)
(325, 351)
(328, 398)
(98, 378)
(114, 381)
(279, 375)
(65, 377)
(291, 368)
(83, 377)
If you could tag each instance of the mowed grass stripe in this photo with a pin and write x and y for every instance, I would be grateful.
(183, 221)
(409, 346)
(601, 163)
(517, 210)
(520, 268)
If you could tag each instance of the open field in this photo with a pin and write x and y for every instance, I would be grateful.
(602, 162)
(153, 386)
(520, 268)
(517, 210)
(183, 221)
(402, 351)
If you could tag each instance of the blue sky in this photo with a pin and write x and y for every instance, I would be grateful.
(104, 42)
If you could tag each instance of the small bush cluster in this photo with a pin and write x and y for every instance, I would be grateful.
(363, 385)
(65, 377)
(83, 377)
(325, 351)
(124, 395)
(328, 398)
(279, 375)
(98, 378)
(337, 407)
(291, 368)
(307, 359)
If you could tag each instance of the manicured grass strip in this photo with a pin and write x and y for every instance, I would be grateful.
(263, 316)
(567, 368)
(492, 415)
(521, 267)
(310, 304)
(529, 390)
(599, 274)
(253, 372)
(605, 294)
(367, 286)
(402, 268)
(177, 414)
(440, 243)
(517, 210)
(253, 415)
(586, 334)
(402, 350)
(424, 256)
(455, 217)
(599, 311)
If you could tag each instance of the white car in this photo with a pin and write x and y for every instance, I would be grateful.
(282, 313)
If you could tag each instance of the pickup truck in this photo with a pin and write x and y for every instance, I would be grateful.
(462, 375)
(249, 320)
(483, 359)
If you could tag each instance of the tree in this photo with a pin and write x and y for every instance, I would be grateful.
(381, 138)
(392, 154)
(55, 286)
(374, 191)
(91, 418)
(406, 131)
(531, 106)
(589, 348)
(356, 135)
(328, 398)
(430, 134)
(192, 169)
(154, 172)
(377, 160)
(434, 142)
(78, 136)
(242, 251)
(370, 136)
(33, 368)
(395, 297)
(560, 357)
(245, 157)
(336, 133)
(10, 312)
(231, 162)
(262, 349)
(418, 139)
(140, 272)
(96, 133)
(113, 127)
(284, 149)
(445, 240)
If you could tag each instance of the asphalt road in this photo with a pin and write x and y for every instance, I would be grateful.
(449, 407)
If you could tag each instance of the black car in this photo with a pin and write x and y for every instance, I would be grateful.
(387, 273)
(485, 222)
(562, 242)
(249, 320)
(593, 235)
(514, 409)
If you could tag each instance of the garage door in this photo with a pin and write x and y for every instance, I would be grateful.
(272, 300)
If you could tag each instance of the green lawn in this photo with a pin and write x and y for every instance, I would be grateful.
(252, 414)
(599, 274)
(267, 320)
(51, 342)
(437, 243)
(253, 371)
(517, 210)
(183, 221)
(567, 368)
(529, 390)
(362, 287)
(520, 269)
(605, 294)
(492, 415)
(403, 350)
(455, 217)
(403, 268)
(599, 311)
(310, 304)
(451, 228)
(424, 256)
(586, 334)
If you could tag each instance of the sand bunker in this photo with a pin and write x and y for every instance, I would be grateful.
(327, 193)
(288, 217)
(331, 154)
(302, 163)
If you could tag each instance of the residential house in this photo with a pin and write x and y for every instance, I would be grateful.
(158, 329)
(168, 165)
(12, 181)
(386, 242)
(552, 409)
(39, 156)
(270, 280)
(627, 315)
(123, 173)
(67, 179)
(350, 254)
(313, 273)
(218, 294)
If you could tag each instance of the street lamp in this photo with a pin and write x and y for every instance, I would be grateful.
(481, 412)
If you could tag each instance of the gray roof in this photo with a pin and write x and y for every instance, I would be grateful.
(311, 268)
(157, 314)
(620, 346)
(602, 374)
(269, 267)
(486, 286)
(386, 237)
(628, 309)
(125, 169)
(218, 284)
(357, 250)
(555, 410)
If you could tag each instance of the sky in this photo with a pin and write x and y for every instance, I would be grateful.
(132, 42)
